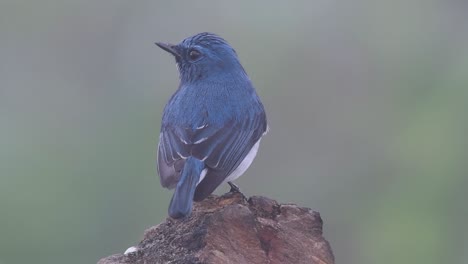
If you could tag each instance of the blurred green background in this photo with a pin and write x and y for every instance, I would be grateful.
(367, 103)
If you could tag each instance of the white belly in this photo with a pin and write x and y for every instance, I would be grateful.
(245, 164)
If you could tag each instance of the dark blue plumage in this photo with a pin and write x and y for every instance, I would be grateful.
(212, 125)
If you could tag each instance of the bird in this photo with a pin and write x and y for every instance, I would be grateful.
(211, 126)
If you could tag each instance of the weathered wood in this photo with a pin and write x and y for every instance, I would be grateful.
(231, 229)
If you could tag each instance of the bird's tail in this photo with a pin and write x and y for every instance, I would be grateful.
(181, 202)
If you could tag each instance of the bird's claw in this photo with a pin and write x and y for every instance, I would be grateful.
(234, 188)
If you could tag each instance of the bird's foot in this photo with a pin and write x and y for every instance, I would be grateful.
(234, 188)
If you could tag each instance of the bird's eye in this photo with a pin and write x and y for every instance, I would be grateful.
(194, 55)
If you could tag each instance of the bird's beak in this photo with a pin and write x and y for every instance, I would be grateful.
(169, 48)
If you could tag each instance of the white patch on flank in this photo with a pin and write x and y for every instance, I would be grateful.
(130, 250)
(202, 175)
(267, 130)
(245, 164)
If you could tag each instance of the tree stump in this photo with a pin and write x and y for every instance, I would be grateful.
(232, 229)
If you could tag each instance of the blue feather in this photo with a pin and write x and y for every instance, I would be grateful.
(211, 122)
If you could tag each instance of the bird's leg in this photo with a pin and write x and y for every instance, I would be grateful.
(234, 188)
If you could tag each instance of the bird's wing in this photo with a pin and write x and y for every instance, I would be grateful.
(171, 153)
(176, 143)
(224, 151)
(222, 148)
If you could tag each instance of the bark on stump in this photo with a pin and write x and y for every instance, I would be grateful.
(231, 229)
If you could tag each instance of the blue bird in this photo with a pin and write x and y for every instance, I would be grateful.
(212, 125)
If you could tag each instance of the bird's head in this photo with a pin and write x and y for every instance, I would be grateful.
(204, 56)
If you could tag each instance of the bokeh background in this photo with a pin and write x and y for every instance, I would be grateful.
(367, 103)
